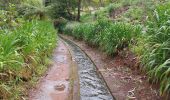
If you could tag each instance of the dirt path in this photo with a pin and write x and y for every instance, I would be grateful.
(55, 85)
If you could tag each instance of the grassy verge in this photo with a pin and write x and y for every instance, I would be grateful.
(156, 48)
(24, 55)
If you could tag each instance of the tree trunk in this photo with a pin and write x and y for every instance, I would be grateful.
(79, 10)
(101, 3)
(69, 10)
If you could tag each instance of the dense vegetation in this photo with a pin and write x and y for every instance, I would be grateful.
(110, 37)
(27, 40)
(142, 25)
(156, 52)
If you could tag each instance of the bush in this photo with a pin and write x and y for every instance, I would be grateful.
(135, 14)
(32, 9)
(61, 8)
(57, 10)
(112, 7)
(68, 29)
(118, 36)
(22, 51)
(8, 18)
(89, 33)
(60, 24)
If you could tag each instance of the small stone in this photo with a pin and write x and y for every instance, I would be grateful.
(60, 87)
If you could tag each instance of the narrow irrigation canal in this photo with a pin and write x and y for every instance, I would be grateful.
(92, 85)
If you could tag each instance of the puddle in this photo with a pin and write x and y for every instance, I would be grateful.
(92, 85)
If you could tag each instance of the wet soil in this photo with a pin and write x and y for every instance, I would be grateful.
(121, 74)
(55, 85)
(92, 85)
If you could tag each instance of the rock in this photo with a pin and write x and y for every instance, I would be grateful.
(60, 87)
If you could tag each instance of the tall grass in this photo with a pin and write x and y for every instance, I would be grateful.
(156, 56)
(112, 7)
(109, 36)
(21, 51)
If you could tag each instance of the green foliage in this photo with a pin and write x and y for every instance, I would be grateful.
(100, 14)
(4, 4)
(68, 29)
(57, 10)
(32, 9)
(113, 7)
(134, 14)
(60, 24)
(119, 36)
(89, 32)
(62, 8)
(87, 18)
(131, 2)
(22, 50)
(110, 37)
(156, 52)
(8, 18)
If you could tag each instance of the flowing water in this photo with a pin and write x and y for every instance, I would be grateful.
(92, 85)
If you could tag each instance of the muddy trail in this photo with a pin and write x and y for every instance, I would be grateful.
(92, 84)
(55, 84)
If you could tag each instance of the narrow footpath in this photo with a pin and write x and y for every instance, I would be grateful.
(55, 84)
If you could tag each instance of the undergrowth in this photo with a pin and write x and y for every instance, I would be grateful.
(109, 36)
(156, 56)
(24, 51)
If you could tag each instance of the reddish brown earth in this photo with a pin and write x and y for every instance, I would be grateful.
(116, 13)
(121, 74)
(56, 84)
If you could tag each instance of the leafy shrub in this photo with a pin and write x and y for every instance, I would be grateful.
(32, 9)
(68, 29)
(118, 36)
(109, 36)
(156, 53)
(60, 24)
(135, 14)
(131, 2)
(57, 10)
(61, 8)
(22, 51)
(89, 33)
(87, 17)
(8, 18)
(78, 32)
(113, 7)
